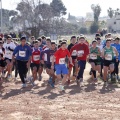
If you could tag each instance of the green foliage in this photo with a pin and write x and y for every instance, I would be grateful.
(94, 28)
(58, 8)
(96, 10)
(110, 12)
(83, 30)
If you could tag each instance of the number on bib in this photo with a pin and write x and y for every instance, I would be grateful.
(22, 53)
(36, 57)
(93, 57)
(74, 53)
(62, 61)
(108, 57)
(80, 52)
(8, 53)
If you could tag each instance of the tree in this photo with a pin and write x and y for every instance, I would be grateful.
(117, 12)
(94, 28)
(96, 10)
(83, 30)
(36, 16)
(110, 12)
(58, 8)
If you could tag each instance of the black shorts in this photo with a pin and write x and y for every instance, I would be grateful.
(49, 66)
(32, 65)
(41, 65)
(7, 59)
(2, 63)
(97, 62)
(107, 63)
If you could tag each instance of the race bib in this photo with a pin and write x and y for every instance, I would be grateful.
(62, 61)
(36, 57)
(8, 52)
(22, 53)
(108, 57)
(93, 57)
(80, 52)
(74, 53)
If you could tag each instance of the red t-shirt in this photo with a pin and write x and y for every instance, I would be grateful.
(61, 55)
(80, 49)
(36, 56)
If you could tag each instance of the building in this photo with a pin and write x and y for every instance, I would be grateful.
(113, 24)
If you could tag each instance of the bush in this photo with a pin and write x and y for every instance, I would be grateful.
(94, 28)
(83, 30)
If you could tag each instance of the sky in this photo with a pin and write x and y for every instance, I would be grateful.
(75, 7)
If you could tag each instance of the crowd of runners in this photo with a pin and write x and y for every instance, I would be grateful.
(61, 61)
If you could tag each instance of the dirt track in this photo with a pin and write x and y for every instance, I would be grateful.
(43, 103)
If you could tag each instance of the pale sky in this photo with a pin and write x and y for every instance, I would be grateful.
(75, 7)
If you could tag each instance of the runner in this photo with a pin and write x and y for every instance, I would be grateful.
(74, 58)
(50, 52)
(100, 46)
(43, 40)
(23, 58)
(60, 65)
(117, 46)
(9, 46)
(2, 62)
(94, 59)
(108, 56)
(35, 62)
(82, 52)
(59, 45)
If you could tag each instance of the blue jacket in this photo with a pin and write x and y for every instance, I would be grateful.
(117, 46)
(23, 52)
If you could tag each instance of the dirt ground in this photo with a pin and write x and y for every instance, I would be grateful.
(91, 102)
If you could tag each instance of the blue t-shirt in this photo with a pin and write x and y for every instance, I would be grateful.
(22, 53)
(117, 46)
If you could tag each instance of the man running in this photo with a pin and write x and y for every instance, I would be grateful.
(23, 58)
(2, 62)
(35, 62)
(50, 52)
(82, 52)
(108, 56)
(60, 66)
(117, 46)
(94, 59)
(9, 47)
(74, 57)
(100, 46)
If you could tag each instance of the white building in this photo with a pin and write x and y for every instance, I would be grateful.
(113, 24)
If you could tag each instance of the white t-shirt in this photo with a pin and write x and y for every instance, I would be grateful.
(8, 54)
(100, 47)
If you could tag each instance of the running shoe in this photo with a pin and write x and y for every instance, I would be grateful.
(113, 79)
(78, 81)
(40, 78)
(68, 82)
(117, 77)
(50, 82)
(8, 77)
(23, 85)
(61, 87)
(31, 81)
(3, 75)
(90, 73)
(81, 82)
(105, 83)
